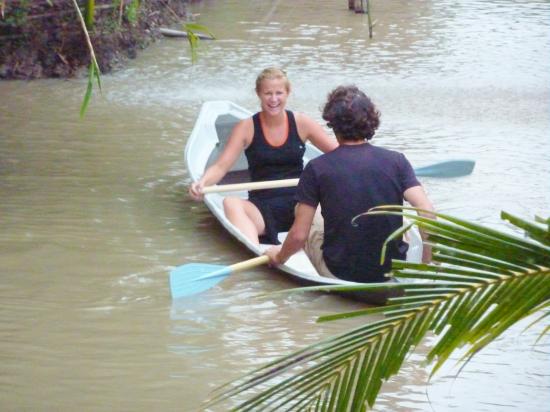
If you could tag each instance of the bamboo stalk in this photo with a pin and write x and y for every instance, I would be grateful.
(120, 10)
(86, 34)
(90, 12)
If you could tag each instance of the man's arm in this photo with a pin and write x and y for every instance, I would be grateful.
(417, 197)
(297, 235)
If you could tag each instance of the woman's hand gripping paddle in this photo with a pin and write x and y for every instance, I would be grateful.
(194, 278)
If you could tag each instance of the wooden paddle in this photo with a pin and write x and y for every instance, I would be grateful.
(194, 278)
(449, 168)
(235, 187)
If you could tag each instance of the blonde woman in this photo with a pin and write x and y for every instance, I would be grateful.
(273, 142)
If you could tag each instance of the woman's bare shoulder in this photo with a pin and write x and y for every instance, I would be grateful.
(306, 125)
(303, 119)
(243, 131)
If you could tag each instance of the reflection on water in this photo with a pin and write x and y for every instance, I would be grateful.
(94, 212)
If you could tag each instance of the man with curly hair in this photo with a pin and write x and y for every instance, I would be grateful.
(346, 182)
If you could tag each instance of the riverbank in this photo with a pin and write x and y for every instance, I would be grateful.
(45, 39)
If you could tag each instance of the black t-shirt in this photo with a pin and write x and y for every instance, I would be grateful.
(347, 182)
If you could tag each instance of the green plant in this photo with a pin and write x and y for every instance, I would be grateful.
(94, 74)
(193, 31)
(93, 70)
(17, 15)
(481, 282)
(132, 11)
(89, 11)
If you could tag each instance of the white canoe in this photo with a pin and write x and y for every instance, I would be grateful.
(212, 128)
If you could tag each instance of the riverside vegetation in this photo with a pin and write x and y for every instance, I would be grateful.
(58, 38)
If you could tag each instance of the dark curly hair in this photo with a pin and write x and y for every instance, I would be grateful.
(351, 114)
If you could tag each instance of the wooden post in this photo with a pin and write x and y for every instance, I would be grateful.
(358, 6)
(364, 8)
(371, 24)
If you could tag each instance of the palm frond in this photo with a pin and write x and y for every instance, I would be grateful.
(481, 282)
(535, 230)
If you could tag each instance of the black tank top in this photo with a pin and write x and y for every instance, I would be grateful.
(266, 162)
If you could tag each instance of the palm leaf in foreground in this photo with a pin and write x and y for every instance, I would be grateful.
(481, 282)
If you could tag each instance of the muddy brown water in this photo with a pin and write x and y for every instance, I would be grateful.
(94, 212)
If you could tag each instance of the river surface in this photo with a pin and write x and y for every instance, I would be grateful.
(94, 212)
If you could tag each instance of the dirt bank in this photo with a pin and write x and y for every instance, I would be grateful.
(44, 38)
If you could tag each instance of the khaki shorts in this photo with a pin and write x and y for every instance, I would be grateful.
(314, 243)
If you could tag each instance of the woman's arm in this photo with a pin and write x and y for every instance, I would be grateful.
(309, 129)
(240, 138)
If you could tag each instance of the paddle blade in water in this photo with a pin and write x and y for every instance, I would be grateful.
(450, 168)
(194, 278)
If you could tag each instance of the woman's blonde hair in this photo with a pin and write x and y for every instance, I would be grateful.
(272, 73)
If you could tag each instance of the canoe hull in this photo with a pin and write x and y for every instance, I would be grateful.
(212, 128)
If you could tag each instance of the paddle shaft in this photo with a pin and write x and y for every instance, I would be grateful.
(270, 184)
(250, 263)
(452, 168)
(247, 264)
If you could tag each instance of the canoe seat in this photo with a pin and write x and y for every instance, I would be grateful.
(224, 125)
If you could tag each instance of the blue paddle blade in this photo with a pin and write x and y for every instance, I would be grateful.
(194, 278)
(450, 168)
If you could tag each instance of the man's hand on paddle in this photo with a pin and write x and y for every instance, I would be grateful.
(273, 254)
